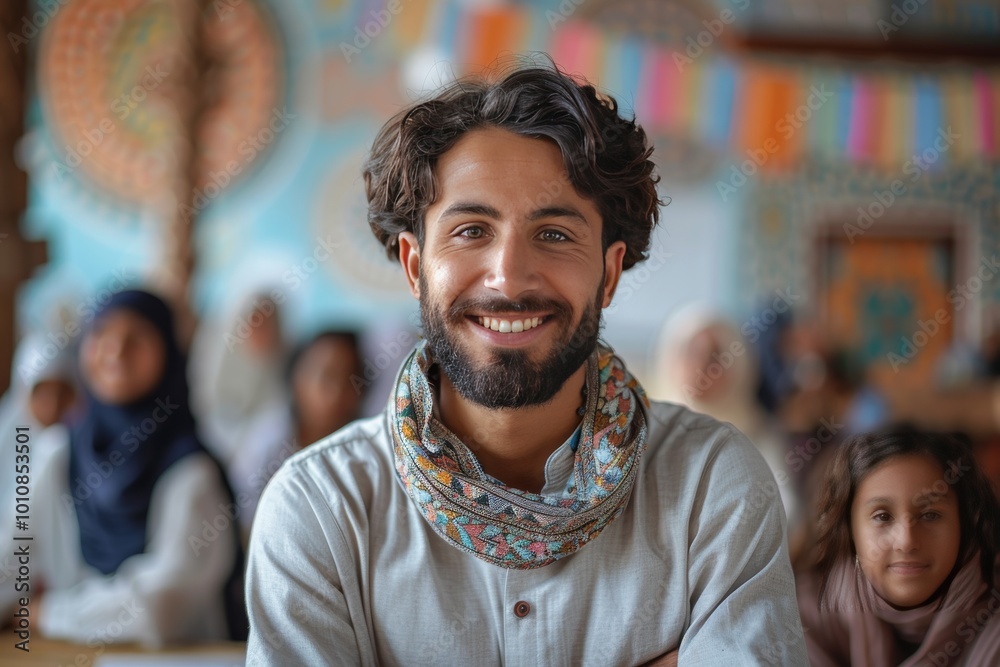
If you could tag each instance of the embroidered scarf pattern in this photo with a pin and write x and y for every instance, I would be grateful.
(502, 525)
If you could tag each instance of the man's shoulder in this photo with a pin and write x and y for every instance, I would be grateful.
(682, 438)
(677, 427)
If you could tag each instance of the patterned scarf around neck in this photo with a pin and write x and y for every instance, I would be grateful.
(502, 525)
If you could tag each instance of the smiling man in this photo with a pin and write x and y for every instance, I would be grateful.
(520, 502)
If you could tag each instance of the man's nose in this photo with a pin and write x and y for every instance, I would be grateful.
(512, 266)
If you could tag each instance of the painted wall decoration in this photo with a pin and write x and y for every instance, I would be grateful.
(766, 144)
(340, 219)
(886, 299)
(110, 76)
(858, 211)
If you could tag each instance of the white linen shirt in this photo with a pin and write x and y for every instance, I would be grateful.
(344, 569)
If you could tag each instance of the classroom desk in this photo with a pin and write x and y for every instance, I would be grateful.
(52, 653)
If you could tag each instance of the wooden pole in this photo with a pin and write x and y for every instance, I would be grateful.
(181, 213)
(18, 256)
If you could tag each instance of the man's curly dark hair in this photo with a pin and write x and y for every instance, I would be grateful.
(606, 156)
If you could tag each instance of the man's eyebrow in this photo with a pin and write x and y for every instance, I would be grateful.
(470, 208)
(558, 212)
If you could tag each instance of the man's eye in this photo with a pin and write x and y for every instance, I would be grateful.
(472, 232)
(553, 235)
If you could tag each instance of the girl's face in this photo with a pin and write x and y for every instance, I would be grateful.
(122, 358)
(905, 525)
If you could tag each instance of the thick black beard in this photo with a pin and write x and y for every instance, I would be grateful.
(511, 379)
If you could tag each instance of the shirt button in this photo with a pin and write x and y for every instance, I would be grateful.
(521, 609)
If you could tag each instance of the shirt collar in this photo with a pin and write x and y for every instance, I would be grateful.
(559, 467)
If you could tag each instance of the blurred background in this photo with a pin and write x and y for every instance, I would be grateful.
(828, 260)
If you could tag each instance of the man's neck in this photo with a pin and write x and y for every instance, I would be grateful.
(513, 445)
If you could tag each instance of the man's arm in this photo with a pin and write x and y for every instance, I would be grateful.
(743, 606)
(297, 574)
(665, 660)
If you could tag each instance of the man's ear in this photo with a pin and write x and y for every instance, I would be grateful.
(613, 258)
(409, 257)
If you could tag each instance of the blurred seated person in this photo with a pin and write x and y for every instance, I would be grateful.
(704, 363)
(42, 385)
(236, 369)
(327, 391)
(42, 393)
(128, 514)
(906, 557)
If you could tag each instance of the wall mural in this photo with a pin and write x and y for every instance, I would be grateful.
(110, 73)
(851, 242)
(778, 140)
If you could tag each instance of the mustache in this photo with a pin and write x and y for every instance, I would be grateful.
(528, 304)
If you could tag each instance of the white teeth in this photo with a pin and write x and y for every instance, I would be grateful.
(509, 326)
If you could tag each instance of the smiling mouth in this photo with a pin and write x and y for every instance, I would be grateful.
(908, 567)
(501, 325)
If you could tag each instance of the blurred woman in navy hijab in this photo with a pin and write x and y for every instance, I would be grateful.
(135, 535)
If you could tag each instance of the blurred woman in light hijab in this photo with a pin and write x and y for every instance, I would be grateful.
(327, 389)
(236, 369)
(42, 391)
(703, 362)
